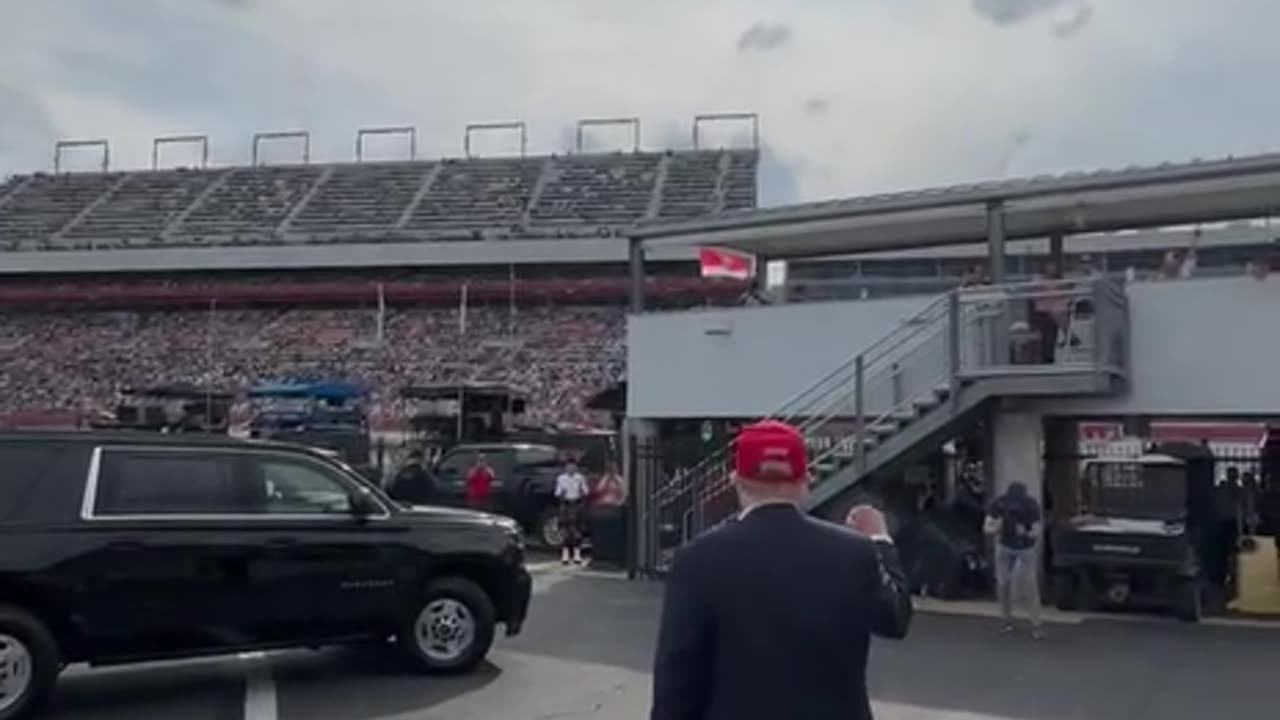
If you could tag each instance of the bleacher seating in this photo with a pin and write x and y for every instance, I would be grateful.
(598, 190)
(143, 205)
(31, 218)
(691, 184)
(739, 187)
(9, 185)
(251, 201)
(478, 193)
(544, 196)
(362, 196)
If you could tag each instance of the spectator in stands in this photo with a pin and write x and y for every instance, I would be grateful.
(1179, 264)
(1049, 311)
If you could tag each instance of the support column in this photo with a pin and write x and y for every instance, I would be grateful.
(635, 257)
(641, 468)
(1061, 466)
(996, 242)
(1056, 254)
(760, 281)
(1016, 451)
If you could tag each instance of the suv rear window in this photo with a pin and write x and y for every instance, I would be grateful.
(537, 457)
(132, 482)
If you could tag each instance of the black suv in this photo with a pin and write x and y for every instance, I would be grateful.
(524, 484)
(119, 547)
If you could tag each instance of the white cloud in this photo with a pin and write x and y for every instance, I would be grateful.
(915, 91)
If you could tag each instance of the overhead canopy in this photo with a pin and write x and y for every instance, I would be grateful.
(451, 391)
(331, 390)
(178, 391)
(1171, 194)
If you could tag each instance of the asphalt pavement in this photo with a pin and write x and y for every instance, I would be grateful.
(586, 650)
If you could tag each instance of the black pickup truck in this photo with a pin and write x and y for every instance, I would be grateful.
(119, 547)
(523, 487)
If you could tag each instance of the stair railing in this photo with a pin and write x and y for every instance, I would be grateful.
(707, 489)
(823, 400)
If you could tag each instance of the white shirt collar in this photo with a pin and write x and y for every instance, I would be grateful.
(752, 508)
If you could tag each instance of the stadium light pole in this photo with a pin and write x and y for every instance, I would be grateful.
(63, 145)
(201, 140)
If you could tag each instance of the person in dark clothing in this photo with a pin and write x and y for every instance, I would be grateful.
(1015, 519)
(412, 484)
(771, 616)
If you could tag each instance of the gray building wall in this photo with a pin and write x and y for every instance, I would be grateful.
(746, 362)
(1199, 347)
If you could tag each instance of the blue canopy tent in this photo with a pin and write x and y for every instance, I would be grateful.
(322, 414)
(333, 392)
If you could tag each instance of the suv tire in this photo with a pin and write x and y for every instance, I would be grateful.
(547, 532)
(450, 630)
(29, 662)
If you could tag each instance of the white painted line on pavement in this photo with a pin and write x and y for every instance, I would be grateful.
(259, 688)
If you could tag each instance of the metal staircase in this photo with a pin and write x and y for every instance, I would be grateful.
(920, 385)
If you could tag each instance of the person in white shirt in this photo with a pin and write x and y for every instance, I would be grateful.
(571, 492)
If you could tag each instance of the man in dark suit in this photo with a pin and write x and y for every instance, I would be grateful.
(771, 616)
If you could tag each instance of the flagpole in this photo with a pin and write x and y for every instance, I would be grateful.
(382, 313)
(208, 381)
(462, 310)
(511, 299)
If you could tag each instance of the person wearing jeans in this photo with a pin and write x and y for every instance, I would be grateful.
(1015, 520)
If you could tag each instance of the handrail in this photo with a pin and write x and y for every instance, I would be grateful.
(903, 367)
(832, 410)
(843, 367)
(801, 405)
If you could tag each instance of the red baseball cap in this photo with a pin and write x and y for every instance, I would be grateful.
(770, 451)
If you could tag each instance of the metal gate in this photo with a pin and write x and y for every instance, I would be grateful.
(670, 510)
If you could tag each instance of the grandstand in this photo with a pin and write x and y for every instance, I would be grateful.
(506, 197)
(71, 340)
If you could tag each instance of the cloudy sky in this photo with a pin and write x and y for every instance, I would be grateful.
(853, 95)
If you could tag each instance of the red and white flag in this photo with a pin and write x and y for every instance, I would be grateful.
(725, 264)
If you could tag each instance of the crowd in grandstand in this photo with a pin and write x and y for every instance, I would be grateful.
(561, 356)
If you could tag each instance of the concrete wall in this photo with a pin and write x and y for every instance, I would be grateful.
(1199, 347)
(746, 362)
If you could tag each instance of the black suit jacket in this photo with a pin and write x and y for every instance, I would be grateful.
(771, 617)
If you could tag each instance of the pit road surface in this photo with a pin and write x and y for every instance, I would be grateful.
(586, 650)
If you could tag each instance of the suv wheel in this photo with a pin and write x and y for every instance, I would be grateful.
(451, 630)
(29, 662)
(548, 532)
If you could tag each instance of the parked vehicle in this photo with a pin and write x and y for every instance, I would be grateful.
(120, 547)
(1134, 537)
(523, 487)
